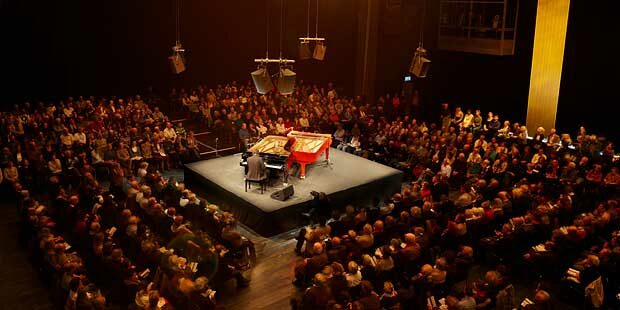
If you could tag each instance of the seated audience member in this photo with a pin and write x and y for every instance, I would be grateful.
(472, 186)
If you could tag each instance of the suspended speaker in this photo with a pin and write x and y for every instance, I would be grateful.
(319, 51)
(177, 64)
(304, 51)
(419, 66)
(286, 81)
(262, 81)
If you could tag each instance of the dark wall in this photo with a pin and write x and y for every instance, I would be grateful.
(589, 90)
(588, 93)
(493, 83)
(72, 47)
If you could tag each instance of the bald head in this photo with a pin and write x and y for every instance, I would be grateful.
(409, 238)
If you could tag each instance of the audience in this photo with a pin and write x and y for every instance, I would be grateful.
(90, 171)
(481, 193)
(99, 217)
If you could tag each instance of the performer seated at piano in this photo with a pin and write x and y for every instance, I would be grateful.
(257, 171)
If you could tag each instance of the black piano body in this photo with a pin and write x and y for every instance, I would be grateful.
(271, 149)
(274, 163)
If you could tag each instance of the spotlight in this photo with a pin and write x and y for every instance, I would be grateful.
(420, 64)
(178, 48)
(286, 81)
(304, 50)
(262, 80)
(177, 64)
(319, 50)
(177, 60)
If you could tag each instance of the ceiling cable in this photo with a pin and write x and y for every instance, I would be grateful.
(308, 24)
(267, 33)
(422, 26)
(282, 17)
(178, 22)
(317, 19)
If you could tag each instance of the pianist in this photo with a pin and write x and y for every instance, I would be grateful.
(257, 171)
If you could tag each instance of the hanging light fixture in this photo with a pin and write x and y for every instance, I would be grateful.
(304, 43)
(262, 80)
(286, 76)
(286, 80)
(177, 59)
(304, 50)
(319, 50)
(420, 63)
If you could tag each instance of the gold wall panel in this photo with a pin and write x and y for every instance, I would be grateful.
(548, 56)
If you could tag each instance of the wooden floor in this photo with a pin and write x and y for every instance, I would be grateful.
(20, 287)
(271, 288)
(272, 276)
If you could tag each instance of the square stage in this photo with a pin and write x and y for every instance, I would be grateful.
(348, 179)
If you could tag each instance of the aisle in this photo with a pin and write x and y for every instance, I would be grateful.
(20, 287)
(271, 286)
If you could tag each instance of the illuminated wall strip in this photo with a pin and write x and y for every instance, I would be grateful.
(549, 41)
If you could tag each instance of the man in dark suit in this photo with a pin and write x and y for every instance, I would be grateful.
(257, 171)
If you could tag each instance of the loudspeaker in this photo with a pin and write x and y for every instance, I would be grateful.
(286, 81)
(177, 64)
(304, 51)
(319, 50)
(284, 193)
(419, 66)
(262, 81)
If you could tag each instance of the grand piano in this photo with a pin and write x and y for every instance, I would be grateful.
(271, 149)
(307, 148)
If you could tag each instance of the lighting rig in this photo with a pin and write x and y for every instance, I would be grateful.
(177, 60)
(420, 63)
(263, 81)
(304, 43)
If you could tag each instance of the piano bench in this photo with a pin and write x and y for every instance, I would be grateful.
(262, 183)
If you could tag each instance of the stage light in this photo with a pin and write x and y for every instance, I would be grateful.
(177, 60)
(319, 50)
(177, 64)
(304, 50)
(286, 81)
(262, 80)
(319, 47)
(178, 48)
(420, 64)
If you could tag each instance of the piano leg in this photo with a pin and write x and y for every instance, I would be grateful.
(289, 163)
(302, 174)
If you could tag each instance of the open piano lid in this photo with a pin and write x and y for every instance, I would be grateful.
(271, 145)
(307, 142)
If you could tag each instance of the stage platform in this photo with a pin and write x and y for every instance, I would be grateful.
(348, 179)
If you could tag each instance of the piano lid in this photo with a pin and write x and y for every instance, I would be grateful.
(308, 142)
(271, 145)
(297, 134)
